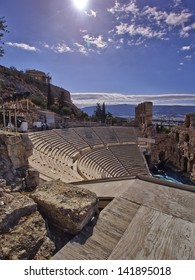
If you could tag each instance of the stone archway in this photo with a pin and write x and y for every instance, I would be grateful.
(185, 164)
(187, 138)
(177, 137)
(161, 155)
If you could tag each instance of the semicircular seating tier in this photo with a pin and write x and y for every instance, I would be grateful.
(74, 154)
(112, 161)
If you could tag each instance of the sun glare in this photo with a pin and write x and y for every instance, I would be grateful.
(80, 4)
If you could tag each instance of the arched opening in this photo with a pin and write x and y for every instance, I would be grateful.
(161, 156)
(187, 121)
(187, 138)
(185, 164)
(191, 165)
(177, 137)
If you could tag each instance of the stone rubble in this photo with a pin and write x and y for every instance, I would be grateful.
(23, 232)
(68, 207)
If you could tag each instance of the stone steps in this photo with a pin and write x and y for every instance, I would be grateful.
(98, 239)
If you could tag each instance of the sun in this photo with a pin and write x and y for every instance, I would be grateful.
(80, 4)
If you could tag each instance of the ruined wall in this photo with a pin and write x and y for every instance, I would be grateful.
(178, 146)
(143, 114)
(161, 149)
(14, 153)
(182, 148)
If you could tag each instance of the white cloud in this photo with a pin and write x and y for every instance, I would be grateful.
(96, 41)
(186, 48)
(127, 8)
(133, 30)
(178, 18)
(45, 45)
(150, 21)
(91, 99)
(116, 8)
(91, 13)
(177, 3)
(58, 48)
(185, 30)
(61, 48)
(188, 57)
(153, 14)
(110, 40)
(131, 7)
(23, 46)
(81, 48)
(181, 63)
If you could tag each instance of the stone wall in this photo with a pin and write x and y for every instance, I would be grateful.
(14, 153)
(143, 114)
(182, 146)
(178, 146)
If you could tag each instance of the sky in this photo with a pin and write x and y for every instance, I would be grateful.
(113, 51)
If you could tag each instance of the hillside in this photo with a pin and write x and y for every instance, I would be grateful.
(12, 81)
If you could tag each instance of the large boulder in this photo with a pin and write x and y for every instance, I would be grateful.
(23, 233)
(68, 207)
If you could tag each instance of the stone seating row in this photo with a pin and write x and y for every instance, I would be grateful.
(114, 161)
(42, 142)
(126, 134)
(88, 135)
(101, 163)
(70, 136)
(58, 150)
(106, 134)
(131, 158)
(52, 168)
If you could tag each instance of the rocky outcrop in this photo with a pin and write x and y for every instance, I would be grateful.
(68, 207)
(23, 233)
(14, 153)
(14, 80)
(13, 207)
(19, 148)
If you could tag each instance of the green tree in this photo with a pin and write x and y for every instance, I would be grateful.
(66, 111)
(100, 112)
(104, 115)
(62, 100)
(54, 108)
(38, 101)
(3, 29)
(50, 98)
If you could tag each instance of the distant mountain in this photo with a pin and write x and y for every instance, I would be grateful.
(158, 110)
(175, 110)
(115, 110)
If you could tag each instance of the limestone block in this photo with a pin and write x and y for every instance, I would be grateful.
(68, 207)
